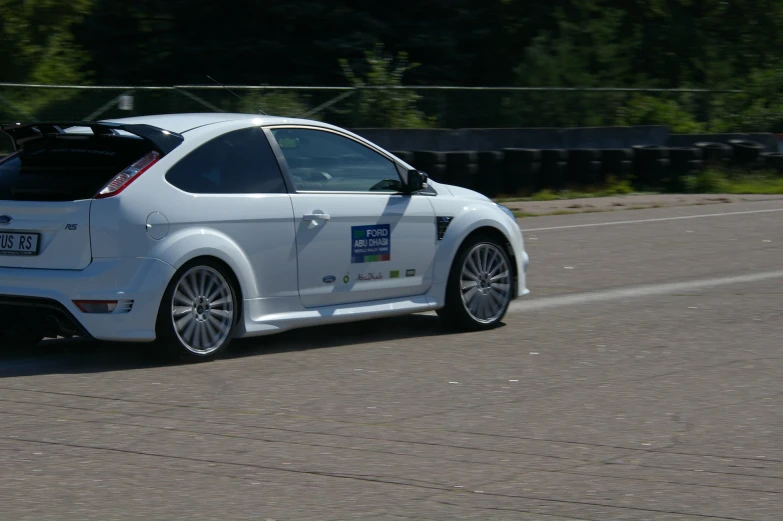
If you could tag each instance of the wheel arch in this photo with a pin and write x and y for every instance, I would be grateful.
(187, 245)
(496, 234)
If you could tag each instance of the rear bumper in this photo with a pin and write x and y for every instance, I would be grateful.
(141, 280)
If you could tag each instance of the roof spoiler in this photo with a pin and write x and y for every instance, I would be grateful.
(164, 141)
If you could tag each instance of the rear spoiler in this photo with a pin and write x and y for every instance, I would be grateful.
(164, 141)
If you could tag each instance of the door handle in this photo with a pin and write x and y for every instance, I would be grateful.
(316, 216)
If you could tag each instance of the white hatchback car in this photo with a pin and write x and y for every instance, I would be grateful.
(193, 229)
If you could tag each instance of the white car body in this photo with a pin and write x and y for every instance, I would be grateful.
(128, 247)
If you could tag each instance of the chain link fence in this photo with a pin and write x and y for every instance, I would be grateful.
(380, 107)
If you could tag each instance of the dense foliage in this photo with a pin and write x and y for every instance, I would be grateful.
(711, 44)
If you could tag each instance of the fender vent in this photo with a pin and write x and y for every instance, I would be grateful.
(443, 224)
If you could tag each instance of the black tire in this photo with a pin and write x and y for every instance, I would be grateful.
(520, 167)
(427, 159)
(405, 156)
(681, 157)
(225, 309)
(714, 154)
(745, 152)
(490, 174)
(651, 166)
(460, 158)
(552, 176)
(554, 155)
(526, 155)
(616, 162)
(695, 166)
(455, 314)
(461, 168)
(773, 160)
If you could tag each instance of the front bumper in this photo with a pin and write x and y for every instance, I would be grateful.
(141, 280)
(523, 261)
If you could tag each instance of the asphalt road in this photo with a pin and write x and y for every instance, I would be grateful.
(640, 381)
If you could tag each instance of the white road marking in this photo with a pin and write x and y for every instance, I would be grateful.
(639, 221)
(530, 304)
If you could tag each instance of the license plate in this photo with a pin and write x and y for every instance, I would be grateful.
(19, 243)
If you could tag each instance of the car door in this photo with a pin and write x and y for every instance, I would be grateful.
(358, 238)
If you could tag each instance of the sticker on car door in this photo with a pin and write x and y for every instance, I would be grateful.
(370, 243)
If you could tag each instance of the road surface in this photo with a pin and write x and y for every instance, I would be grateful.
(641, 380)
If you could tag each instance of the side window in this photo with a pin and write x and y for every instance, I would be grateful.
(238, 162)
(327, 162)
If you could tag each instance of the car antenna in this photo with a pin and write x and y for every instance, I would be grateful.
(234, 93)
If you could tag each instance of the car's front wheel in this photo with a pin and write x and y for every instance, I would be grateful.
(198, 313)
(479, 287)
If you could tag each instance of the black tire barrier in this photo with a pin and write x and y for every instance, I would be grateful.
(554, 155)
(432, 162)
(435, 172)
(520, 168)
(651, 151)
(461, 168)
(714, 154)
(680, 158)
(651, 165)
(584, 166)
(695, 166)
(683, 161)
(552, 176)
(554, 170)
(616, 162)
(405, 156)
(461, 158)
(489, 180)
(745, 152)
(773, 161)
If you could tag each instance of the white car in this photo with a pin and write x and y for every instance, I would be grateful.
(193, 229)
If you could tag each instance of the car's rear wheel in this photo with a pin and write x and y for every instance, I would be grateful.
(198, 313)
(479, 288)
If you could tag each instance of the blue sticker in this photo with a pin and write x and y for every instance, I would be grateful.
(370, 243)
(329, 279)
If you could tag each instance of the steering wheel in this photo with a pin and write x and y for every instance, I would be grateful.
(386, 184)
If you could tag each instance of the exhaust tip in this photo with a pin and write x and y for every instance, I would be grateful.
(51, 327)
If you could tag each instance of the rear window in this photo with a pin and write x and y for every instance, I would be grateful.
(238, 162)
(66, 167)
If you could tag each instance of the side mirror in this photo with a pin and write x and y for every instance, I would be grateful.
(417, 181)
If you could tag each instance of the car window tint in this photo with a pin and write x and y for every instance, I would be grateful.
(238, 162)
(324, 161)
(66, 167)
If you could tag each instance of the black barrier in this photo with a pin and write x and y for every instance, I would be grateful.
(461, 168)
(517, 171)
(520, 168)
(770, 142)
(479, 139)
(616, 163)
(490, 174)
(554, 162)
(772, 160)
(432, 162)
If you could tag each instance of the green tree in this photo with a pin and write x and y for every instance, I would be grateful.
(36, 41)
(37, 46)
(384, 107)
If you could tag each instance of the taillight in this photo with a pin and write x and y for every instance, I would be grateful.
(127, 176)
(104, 306)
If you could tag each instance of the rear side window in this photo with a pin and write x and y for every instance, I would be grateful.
(238, 162)
(66, 167)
